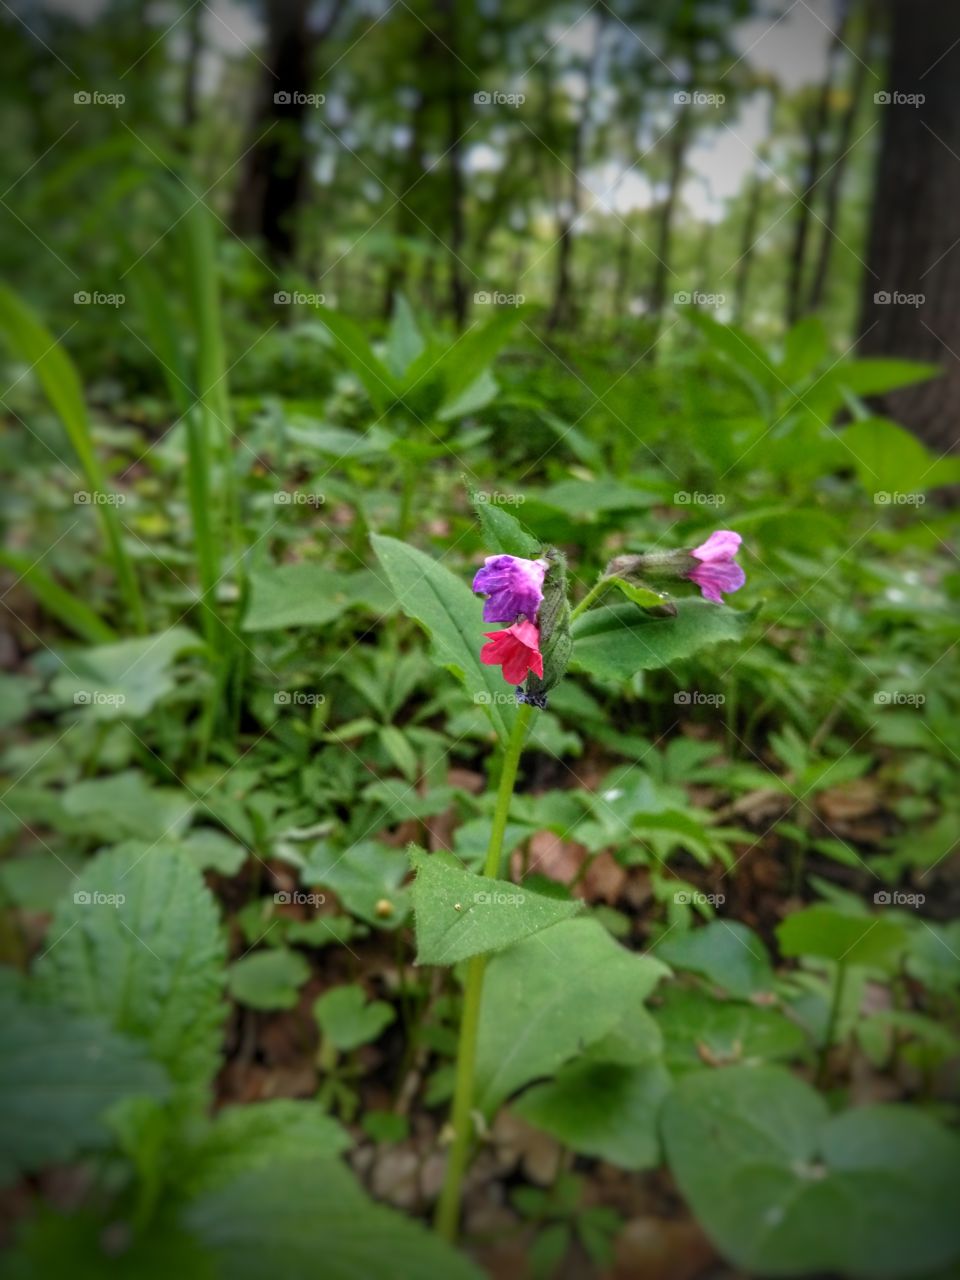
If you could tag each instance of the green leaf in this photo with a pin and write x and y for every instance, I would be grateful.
(123, 680)
(503, 534)
(61, 604)
(257, 1135)
(362, 877)
(889, 459)
(140, 945)
(126, 805)
(602, 1109)
(783, 1188)
(58, 1074)
(268, 979)
(834, 935)
(874, 377)
(459, 914)
(307, 595)
(404, 340)
(699, 1030)
(451, 615)
(645, 597)
(372, 373)
(613, 643)
(347, 1020)
(726, 953)
(281, 1220)
(547, 998)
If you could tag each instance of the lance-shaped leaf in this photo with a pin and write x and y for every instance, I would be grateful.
(612, 643)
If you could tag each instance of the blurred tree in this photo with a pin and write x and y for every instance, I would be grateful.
(271, 188)
(914, 248)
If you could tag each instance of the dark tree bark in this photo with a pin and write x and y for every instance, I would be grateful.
(454, 106)
(273, 181)
(679, 140)
(748, 240)
(914, 244)
(834, 181)
(819, 121)
(191, 66)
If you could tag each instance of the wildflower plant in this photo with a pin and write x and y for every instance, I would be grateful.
(481, 919)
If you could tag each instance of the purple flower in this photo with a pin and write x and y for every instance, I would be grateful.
(513, 586)
(717, 570)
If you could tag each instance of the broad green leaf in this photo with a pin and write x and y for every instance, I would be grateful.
(59, 1072)
(469, 355)
(257, 1135)
(124, 680)
(61, 604)
(503, 534)
(549, 997)
(77, 1245)
(450, 613)
(584, 499)
(615, 642)
(213, 850)
(873, 377)
(835, 935)
(606, 1110)
(889, 459)
(139, 944)
(125, 805)
(726, 953)
(347, 1019)
(806, 347)
(700, 1031)
(363, 877)
(784, 1189)
(268, 979)
(291, 1219)
(308, 595)
(459, 914)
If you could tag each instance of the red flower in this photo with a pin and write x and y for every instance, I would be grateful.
(517, 650)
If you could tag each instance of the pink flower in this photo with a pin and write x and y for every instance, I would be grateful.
(717, 570)
(513, 587)
(517, 650)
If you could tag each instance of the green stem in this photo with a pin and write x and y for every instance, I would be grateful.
(448, 1206)
(597, 590)
(838, 982)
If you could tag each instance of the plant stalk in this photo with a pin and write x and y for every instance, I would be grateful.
(461, 1115)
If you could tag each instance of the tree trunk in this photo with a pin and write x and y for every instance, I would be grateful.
(913, 245)
(455, 94)
(191, 66)
(748, 240)
(819, 120)
(273, 182)
(679, 140)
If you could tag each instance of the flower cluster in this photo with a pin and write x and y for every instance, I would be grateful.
(514, 590)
